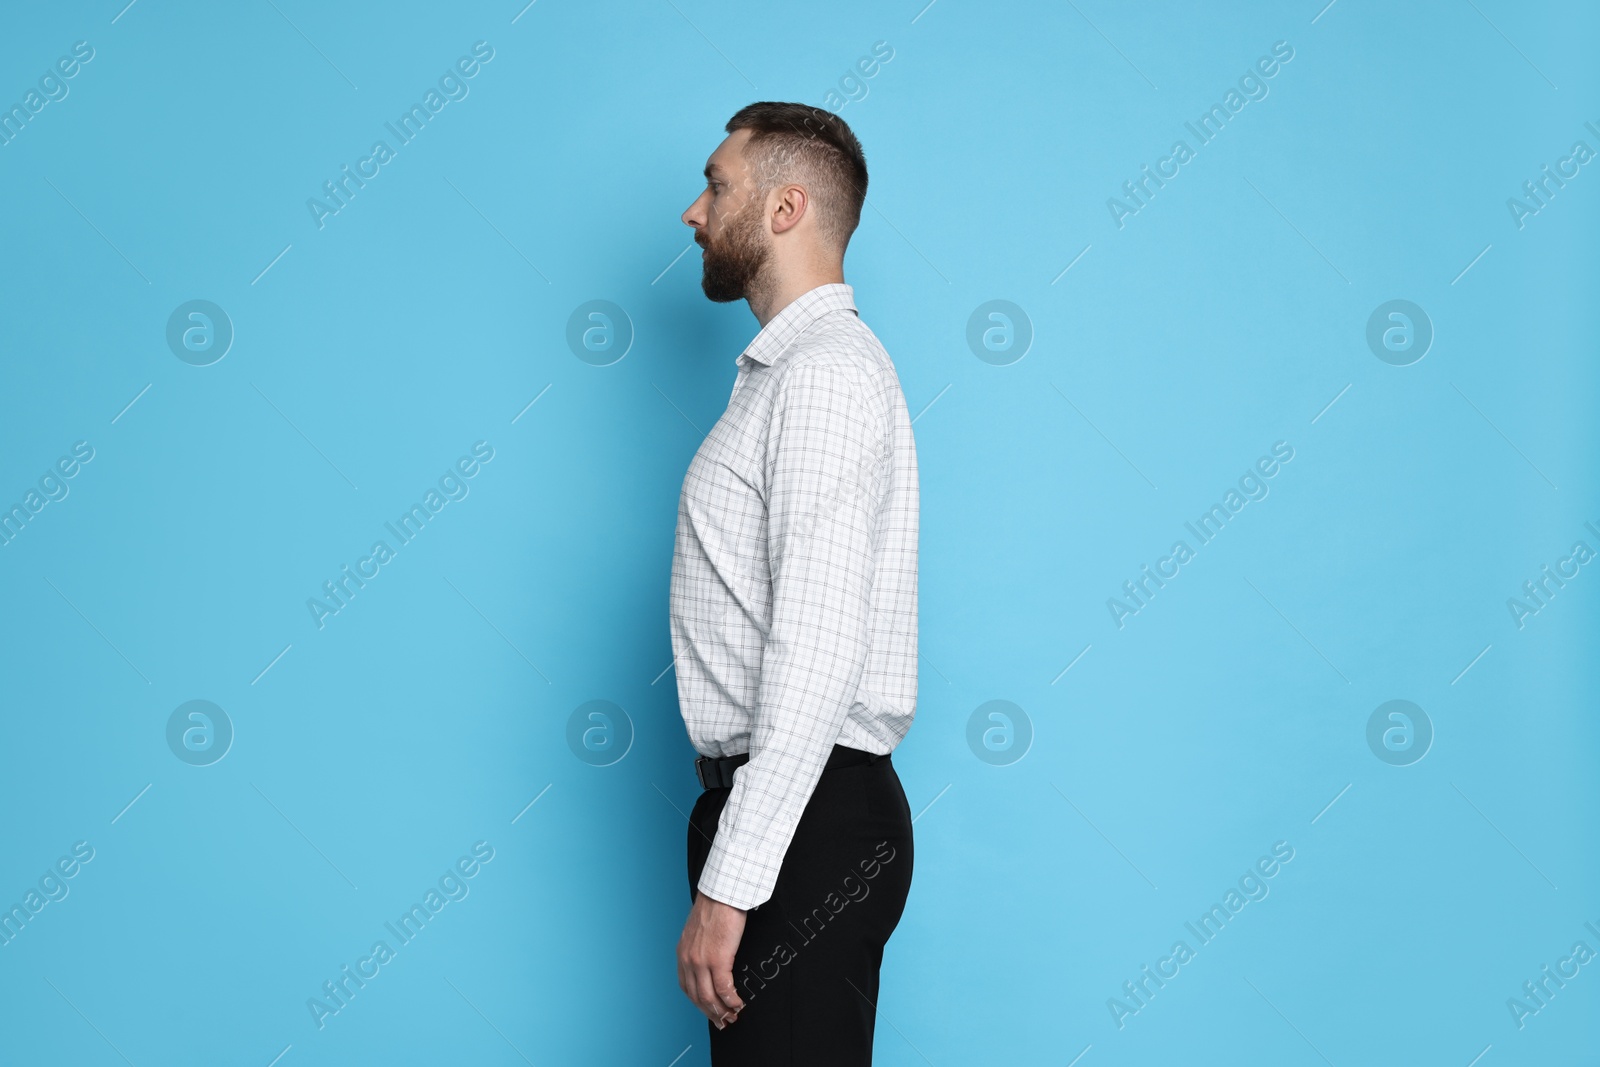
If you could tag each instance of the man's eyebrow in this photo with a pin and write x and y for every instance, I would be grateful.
(711, 167)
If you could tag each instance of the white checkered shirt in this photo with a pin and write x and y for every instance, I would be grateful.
(794, 577)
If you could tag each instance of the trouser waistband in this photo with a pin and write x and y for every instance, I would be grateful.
(717, 773)
(842, 756)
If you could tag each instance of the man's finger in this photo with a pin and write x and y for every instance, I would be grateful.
(706, 997)
(703, 995)
(722, 983)
(690, 987)
(688, 981)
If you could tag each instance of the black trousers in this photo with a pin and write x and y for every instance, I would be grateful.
(807, 965)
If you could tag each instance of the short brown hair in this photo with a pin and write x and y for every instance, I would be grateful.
(816, 148)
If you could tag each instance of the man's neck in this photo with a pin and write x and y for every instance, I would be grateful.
(767, 300)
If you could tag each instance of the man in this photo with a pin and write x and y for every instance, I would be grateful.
(794, 614)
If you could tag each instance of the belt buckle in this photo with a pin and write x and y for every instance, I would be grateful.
(700, 770)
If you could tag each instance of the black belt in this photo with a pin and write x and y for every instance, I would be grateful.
(717, 773)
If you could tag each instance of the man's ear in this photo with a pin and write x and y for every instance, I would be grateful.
(790, 208)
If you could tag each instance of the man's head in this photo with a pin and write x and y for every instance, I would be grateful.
(783, 193)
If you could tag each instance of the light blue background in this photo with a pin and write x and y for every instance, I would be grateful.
(1227, 715)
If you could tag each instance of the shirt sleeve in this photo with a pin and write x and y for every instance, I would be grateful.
(826, 466)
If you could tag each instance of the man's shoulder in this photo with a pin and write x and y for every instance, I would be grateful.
(841, 345)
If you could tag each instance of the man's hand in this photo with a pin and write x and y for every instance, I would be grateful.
(705, 958)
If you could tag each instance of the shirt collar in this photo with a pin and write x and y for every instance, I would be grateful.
(787, 325)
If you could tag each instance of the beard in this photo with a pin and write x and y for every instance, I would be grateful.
(735, 259)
